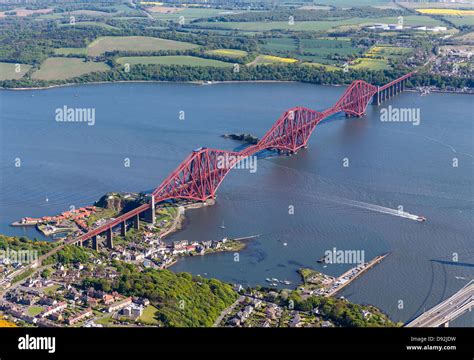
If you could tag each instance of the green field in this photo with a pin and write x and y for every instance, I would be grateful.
(70, 51)
(134, 43)
(148, 316)
(189, 14)
(34, 310)
(270, 59)
(318, 25)
(172, 60)
(320, 50)
(325, 66)
(371, 64)
(230, 53)
(280, 45)
(10, 71)
(58, 68)
(378, 57)
(51, 290)
(461, 20)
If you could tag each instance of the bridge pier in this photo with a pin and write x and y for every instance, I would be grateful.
(110, 239)
(376, 97)
(123, 228)
(446, 324)
(136, 221)
(95, 243)
(150, 215)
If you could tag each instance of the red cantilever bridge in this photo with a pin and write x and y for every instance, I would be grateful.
(198, 177)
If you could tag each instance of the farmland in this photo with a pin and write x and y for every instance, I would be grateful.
(455, 12)
(59, 68)
(172, 60)
(188, 14)
(322, 50)
(269, 59)
(134, 43)
(230, 53)
(379, 57)
(207, 41)
(10, 71)
(322, 25)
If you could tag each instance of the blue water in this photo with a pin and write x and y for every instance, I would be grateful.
(390, 164)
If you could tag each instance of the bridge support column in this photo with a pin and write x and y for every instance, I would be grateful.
(110, 239)
(136, 221)
(95, 243)
(123, 228)
(151, 213)
(446, 324)
(376, 97)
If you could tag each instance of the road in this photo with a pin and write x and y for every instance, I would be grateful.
(447, 310)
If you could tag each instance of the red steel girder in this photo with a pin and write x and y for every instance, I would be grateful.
(201, 173)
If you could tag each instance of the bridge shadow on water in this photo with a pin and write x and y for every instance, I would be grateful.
(453, 263)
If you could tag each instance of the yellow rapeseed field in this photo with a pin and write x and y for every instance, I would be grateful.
(5, 323)
(279, 59)
(446, 12)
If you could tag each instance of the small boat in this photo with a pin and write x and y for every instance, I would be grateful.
(286, 282)
(321, 260)
(269, 280)
(273, 284)
(222, 226)
(285, 244)
(274, 280)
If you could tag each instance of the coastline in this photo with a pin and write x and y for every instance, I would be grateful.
(151, 82)
(203, 83)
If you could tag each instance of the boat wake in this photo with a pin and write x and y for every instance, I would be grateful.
(378, 208)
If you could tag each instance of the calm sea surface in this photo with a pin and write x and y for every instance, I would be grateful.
(390, 164)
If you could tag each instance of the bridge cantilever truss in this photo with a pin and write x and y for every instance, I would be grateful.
(199, 175)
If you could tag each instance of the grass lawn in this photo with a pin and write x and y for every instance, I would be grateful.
(148, 316)
(58, 68)
(230, 53)
(172, 60)
(50, 290)
(10, 71)
(106, 320)
(134, 43)
(34, 310)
